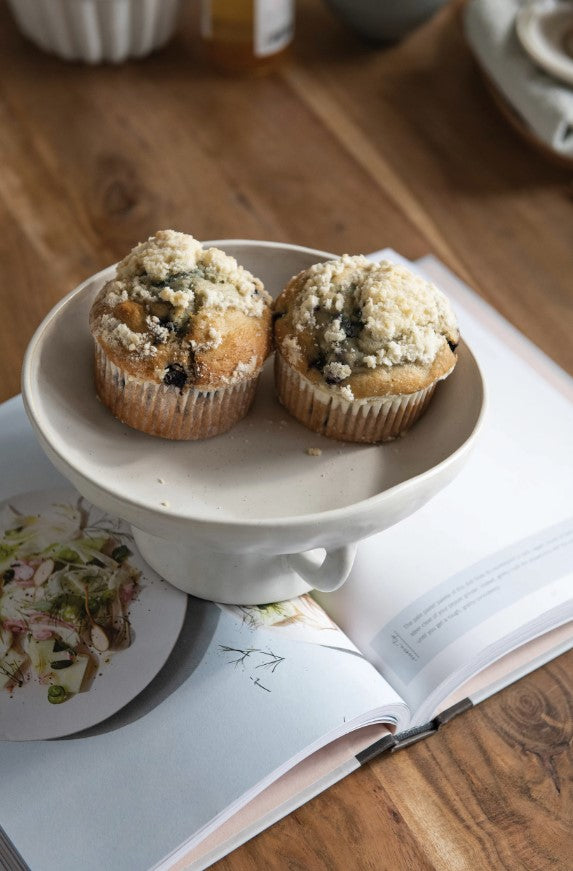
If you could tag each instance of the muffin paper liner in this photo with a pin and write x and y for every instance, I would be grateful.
(167, 411)
(358, 420)
(97, 31)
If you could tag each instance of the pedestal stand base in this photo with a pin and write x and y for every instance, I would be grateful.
(234, 579)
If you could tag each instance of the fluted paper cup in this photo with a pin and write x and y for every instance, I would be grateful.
(97, 31)
(371, 420)
(166, 411)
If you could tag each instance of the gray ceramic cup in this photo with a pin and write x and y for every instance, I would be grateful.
(384, 20)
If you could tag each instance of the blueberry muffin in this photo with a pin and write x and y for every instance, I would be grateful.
(181, 334)
(360, 348)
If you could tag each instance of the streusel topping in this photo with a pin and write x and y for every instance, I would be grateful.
(365, 315)
(164, 283)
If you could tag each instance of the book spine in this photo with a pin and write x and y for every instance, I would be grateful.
(391, 743)
(452, 712)
(10, 859)
(382, 746)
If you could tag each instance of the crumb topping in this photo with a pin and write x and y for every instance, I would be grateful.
(363, 315)
(163, 284)
(245, 370)
(346, 392)
(292, 350)
(129, 339)
(166, 253)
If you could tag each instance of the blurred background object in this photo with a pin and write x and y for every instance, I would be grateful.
(97, 31)
(536, 103)
(384, 20)
(545, 30)
(246, 35)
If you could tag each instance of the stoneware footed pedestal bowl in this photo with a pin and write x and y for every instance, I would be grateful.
(239, 518)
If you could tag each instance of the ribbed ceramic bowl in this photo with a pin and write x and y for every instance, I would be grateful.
(97, 31)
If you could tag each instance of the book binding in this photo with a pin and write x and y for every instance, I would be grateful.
(10, 858)
(391, 743)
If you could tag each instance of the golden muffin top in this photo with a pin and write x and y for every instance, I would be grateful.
(180, 314)
(366, 329)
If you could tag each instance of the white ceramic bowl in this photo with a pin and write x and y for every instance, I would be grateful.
(235, 512)
(97, 31)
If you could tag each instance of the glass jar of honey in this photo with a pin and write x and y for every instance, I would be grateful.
(246, 35)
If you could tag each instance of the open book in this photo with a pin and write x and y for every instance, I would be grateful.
(258, 709)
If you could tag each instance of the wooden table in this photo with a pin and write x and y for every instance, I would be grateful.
(347, 148)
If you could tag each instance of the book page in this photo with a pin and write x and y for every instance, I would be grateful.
(246, 694)
(513, 666)
(293, 789)
(477, 615)
(492, 552)
(251, 704)
(452, 609)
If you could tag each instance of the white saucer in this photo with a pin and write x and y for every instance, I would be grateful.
(545, 30)
(253, 490)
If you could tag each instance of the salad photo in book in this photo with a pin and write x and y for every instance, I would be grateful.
(65, 599)
(255, 709)
(79, 616)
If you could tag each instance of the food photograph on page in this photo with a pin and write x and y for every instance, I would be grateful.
(286, 415)
(74, 597)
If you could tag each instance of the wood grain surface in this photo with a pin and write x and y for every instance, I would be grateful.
(351, 148)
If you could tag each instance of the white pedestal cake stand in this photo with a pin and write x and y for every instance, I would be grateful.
(233, 518)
